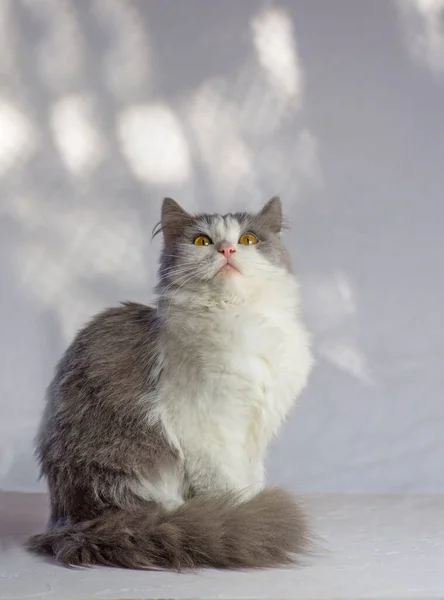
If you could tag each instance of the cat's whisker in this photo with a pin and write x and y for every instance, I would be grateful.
(178, 290)
(174, 283)
(177, 274)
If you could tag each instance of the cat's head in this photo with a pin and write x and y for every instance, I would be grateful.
(220, 256)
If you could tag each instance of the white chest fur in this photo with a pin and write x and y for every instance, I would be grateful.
(231, 375)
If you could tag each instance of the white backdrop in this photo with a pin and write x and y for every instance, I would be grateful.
(106, 106)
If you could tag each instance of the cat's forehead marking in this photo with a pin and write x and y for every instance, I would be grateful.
(232, 228)
(218, 227)
(224, 227)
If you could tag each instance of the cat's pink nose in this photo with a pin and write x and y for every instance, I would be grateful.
(226, 248)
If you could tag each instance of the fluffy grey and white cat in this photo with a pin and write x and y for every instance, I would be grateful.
(158, 418)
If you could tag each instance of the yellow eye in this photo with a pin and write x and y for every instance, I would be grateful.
(202, 240)
(247, 239)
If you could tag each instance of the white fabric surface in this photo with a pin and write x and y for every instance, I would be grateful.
(371, 547)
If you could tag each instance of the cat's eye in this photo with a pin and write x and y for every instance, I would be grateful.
(247, 239)
(202, 240)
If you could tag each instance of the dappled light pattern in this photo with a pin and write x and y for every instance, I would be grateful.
(332, 308)
(166, 161)
(107, 106)
(87, 122)
(17, 137)
(80, 145)
(423, 22)
(90, 144)
(275, 44)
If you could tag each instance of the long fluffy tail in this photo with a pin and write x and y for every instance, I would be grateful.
(267, 531)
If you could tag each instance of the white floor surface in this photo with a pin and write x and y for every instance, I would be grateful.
(372, 547)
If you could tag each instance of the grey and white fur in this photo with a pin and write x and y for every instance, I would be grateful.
(157, 420)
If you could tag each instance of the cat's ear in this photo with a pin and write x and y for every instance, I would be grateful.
(173, 219)
(271, 215)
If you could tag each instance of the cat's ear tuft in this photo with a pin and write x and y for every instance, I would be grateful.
(271, 215)
(173, 219)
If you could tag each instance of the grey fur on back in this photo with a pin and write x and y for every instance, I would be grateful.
(95, 438)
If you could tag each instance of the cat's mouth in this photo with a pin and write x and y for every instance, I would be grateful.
(227, 269)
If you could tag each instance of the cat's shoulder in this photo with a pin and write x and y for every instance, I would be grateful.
(119, 329)
(114, 349)
(127, 315)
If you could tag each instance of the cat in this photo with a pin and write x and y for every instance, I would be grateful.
(157, 420)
